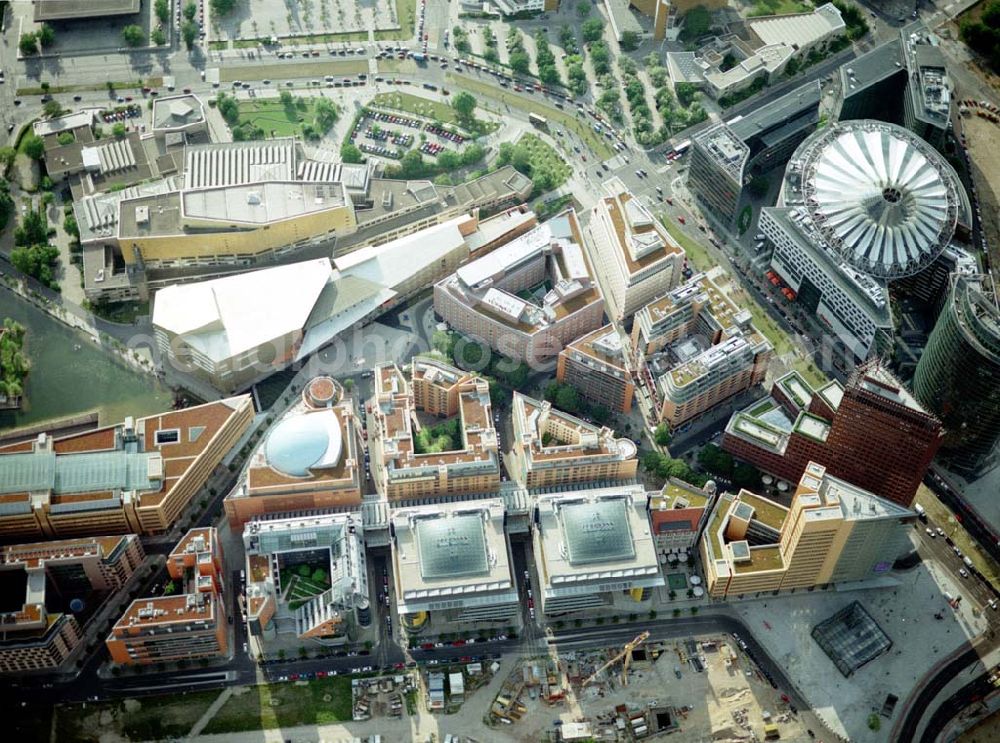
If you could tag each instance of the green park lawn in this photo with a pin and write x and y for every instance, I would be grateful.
(287, 705)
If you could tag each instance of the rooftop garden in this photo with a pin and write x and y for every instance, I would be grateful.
(446, 436)
(299, 583)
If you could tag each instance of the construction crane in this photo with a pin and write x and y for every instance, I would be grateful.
(626, 653)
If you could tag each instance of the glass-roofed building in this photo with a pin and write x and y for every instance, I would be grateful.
(594, 550)
(452, 563)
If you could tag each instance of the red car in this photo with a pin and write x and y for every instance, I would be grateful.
(294, 676)
(681, 220)
(427, 646)
(458, 643)
(321, 674)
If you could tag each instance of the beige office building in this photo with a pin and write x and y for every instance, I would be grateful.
(635, 258)
(552, 448)
(528, 298)
(403, 403)
(833, 532)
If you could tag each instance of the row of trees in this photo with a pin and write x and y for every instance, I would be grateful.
(983, 34)
(32, 254)
(548, 73)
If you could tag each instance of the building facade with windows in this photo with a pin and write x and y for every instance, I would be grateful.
(45, 590)
(595, 364)
(678, 514)
(958, 375)
(595, 551)
(695, 348)
(326, 602)
(551, 448)
(189, 625)
(134, 477)
(833, 532)
(452, 563)
(528, 298)
(872, 432)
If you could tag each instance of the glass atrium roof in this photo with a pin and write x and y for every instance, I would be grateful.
(305, 442)
(452, 547)
(597, 532)
(76, 473)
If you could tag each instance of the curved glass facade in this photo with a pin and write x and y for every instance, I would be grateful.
(958, 376)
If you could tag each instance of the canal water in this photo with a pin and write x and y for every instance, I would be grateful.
(70, 374)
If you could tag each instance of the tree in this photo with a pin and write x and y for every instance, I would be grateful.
(285, 97)
(697, 22)
(119, 130)
(549, 74)
(53, 109)
(600, 57)
(229, 108)
(465, 106)
(133, 35)
(592, 29)
(349, 153)
(325, 114)
(662, 435)
(304, 570)
(190, 11)
(443, 342)
(629, 41)
(38, 261)
(715, 460)
(686, 93)
(7, 155)
(65, 138)
(158, 37)
(449, 160)
(33, 146)
(583, 8)
(33, 228)
(28, 44)
(189, 32)
(319, 576)
(757, 187)
(170, 588)
(520, 62)
(568, 399)
(46, 35)
(162, 10)
(746, 476)
(221, 7)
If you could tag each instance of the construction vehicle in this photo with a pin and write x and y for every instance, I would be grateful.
(625, 653)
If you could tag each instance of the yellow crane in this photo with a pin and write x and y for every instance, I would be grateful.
(626, 653)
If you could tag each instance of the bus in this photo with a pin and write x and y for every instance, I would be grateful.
(537, 121)
(680, 149)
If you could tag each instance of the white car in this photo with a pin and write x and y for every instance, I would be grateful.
(930, 533)
(963, 572)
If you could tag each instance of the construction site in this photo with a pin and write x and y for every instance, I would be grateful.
(705, 687)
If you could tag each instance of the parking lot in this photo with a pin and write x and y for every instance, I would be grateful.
(390, 135)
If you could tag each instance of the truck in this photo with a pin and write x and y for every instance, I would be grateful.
(538, 121)
(921, 512)
(419, 57)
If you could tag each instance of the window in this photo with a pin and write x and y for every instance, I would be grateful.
(168, 436)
